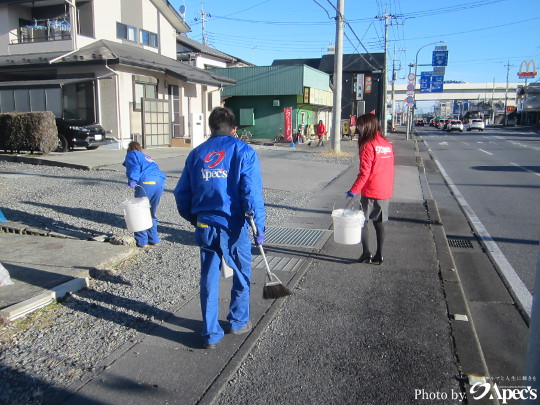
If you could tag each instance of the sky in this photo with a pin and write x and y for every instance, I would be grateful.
(486, 39)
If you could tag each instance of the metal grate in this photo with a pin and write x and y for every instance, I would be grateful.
(460, 243)
(295, 236)
(277, 263)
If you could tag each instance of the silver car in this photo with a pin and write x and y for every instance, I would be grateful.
(475, 124)
(454, 125)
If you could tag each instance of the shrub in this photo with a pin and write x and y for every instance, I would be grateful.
(32, 131)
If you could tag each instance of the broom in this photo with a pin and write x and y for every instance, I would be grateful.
(273, 287)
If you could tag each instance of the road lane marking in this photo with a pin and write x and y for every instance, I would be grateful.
(517, 288)
(485, 151)
(524, 168)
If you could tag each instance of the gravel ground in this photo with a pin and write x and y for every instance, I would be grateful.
(57, 346)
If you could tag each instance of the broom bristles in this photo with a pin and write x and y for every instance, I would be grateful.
(275, 290)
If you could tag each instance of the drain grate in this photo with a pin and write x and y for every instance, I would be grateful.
(460, 243)
(277, 263)
(296, 237)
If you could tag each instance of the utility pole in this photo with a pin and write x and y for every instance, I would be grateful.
(203, 21)
(386, 18)
(393, 89)
(385, 81)
(492, 117)
(505, 122)
(335, 134)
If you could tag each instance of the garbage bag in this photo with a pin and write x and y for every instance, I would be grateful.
(4, 276)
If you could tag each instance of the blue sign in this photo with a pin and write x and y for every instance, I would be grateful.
(440, 58)
(425, 82)
(437, 84)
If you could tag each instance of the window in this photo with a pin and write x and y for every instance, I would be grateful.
(128, 32)
(149, 38)
(143, 87)
(78, 100)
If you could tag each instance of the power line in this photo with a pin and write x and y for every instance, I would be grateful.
(475, 30)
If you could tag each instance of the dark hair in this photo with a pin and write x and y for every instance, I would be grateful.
(367, 127)
(133, 145)
(221, 118)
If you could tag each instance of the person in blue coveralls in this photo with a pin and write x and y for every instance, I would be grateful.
(221, 182)
(143, 171)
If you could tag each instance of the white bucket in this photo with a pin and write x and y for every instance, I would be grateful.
(137, 214)
(347, 226)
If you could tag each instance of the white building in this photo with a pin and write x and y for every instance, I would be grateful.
(112, 62)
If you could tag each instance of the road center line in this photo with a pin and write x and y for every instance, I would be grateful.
(524, 168)
(485, 151)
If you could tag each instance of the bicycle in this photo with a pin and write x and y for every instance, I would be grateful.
(244, 136)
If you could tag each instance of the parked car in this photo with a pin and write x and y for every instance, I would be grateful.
(72, 134)
(475, 123)
(419, 123)
(454, 125)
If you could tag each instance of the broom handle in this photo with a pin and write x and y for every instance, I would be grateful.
(254, 229)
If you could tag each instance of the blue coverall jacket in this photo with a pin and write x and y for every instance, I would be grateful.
(220, 183)
(145, 171)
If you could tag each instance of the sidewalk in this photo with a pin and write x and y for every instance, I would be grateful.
(350, 333)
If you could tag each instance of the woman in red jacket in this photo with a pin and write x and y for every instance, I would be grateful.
(374, 182)
(321, 130)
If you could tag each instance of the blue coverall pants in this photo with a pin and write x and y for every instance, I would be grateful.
(235, 247)
(153, 192)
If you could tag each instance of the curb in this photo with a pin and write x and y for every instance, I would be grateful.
(23, 308)
(39, 161)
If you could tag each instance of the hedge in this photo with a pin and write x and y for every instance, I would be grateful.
(29, 131)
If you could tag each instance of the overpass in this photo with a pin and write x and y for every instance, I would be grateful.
(460, 91)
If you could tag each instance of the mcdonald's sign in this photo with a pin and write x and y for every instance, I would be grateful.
(527, 69)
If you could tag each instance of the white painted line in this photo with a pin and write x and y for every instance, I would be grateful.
(485, 151)
(524, 168)
(520, 292)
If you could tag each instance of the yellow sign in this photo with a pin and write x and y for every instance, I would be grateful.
(530, 69)
(345, 128)
(321, 97)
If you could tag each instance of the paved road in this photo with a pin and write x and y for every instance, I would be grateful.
(498, 174)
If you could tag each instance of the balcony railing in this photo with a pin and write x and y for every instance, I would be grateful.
(42, 31)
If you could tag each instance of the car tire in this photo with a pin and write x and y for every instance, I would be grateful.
(62, 144)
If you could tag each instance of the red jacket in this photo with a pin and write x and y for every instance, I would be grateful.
(320, 129)
(376, 176)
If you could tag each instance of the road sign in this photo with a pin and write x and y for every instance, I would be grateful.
(437, 84)
(409, 100)
(440, 58)
(425, 84)
(411, 77)
(410, 87)
(441, 48)
(439, 71)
